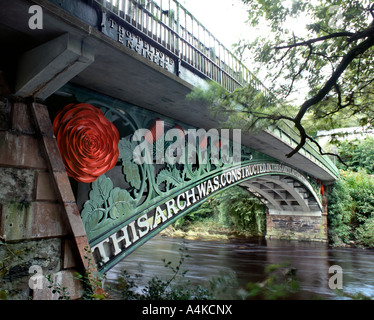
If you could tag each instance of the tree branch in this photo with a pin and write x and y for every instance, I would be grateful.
(351, 37)
(300, 70)
(371, 10)
(347, 59)
(311, 41)
(326, 153)
(362, 34)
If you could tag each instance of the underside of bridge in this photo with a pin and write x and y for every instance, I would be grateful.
(293, 210)
(284, 195)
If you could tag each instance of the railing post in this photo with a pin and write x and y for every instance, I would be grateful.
(178, 30)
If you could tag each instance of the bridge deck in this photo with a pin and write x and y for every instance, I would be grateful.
(121, 71)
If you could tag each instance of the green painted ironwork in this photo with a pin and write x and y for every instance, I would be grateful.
(143, 186)
(130, 193)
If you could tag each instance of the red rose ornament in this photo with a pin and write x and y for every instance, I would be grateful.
(87, 140)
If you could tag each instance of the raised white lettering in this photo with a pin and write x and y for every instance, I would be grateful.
(170, 207)
(116, 240)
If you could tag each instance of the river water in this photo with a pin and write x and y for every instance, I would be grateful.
(245, 260)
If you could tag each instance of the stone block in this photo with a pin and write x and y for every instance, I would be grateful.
(20, 151)
(20, 257)
(31, 221)
(69, 259)
(5, 110)
(64, 279)
(45, 187)
(22, 119)
(16, 185)
(48, 220)
(296, 228)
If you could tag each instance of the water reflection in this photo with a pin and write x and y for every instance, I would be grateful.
(247, 260)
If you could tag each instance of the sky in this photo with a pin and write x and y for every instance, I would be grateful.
(225, 19)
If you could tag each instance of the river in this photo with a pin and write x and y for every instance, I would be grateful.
(247, 259)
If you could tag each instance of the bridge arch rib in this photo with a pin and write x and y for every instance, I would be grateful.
(273, 186)
(131, 203)
(285, 195)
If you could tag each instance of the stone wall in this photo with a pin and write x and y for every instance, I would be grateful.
(40, 227)
(296, 227)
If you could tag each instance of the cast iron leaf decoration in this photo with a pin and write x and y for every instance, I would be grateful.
(131, 172)
(122, 204)
(171, 177)
(106, 204)
(130, 169)
(125, 150)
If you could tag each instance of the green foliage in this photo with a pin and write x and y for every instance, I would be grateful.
(324, 69)
(247, 214)
(351, 200)
(231, 208)
(321, 18)
(339, 208)
(246, 108)
(365, 233)
(351, 209)
(281, 283)
(63, 293)
(314, 122)
(92, 280)
(357, 154)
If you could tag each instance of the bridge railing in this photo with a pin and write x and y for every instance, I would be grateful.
(173, 27)
(284, 130)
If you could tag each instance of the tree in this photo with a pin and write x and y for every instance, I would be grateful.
(332, 63)
(357, 154)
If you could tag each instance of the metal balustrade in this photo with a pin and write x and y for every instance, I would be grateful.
(174, 28)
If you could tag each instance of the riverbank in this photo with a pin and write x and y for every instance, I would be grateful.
(205, 230)
(208, 231)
